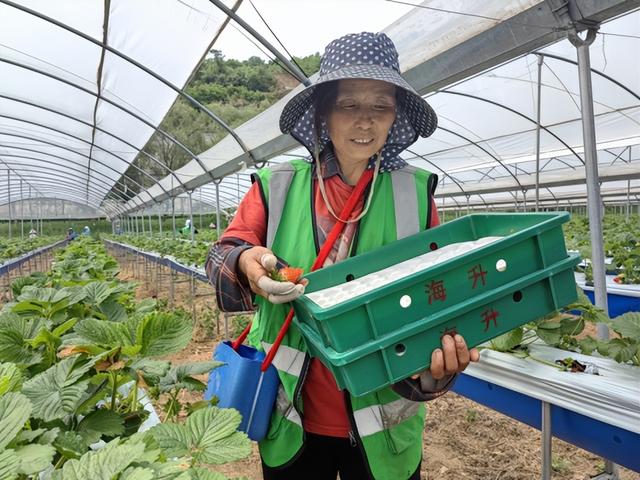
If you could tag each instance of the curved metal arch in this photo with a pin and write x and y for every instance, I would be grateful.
(107, 132)
(211, 201)
(550, 193)
(231, 190)
(18, 175)
(485, 151)
(65, 191)
(111, 102)
(483, 200)
(111, 186)
(148, 71)
(475, 97)
(597, 72)
(55, 181)
(55, 187)
(10, 147)
(38, 167)
(75, 202)
(445, 174)
(120, 175)
(226, 188)
(212, 198)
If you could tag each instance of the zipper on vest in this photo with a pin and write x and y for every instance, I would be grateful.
(314, 227)
(296, 395)
(354, 437)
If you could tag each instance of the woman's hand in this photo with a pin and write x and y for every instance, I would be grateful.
(255, 264)
(453, 357)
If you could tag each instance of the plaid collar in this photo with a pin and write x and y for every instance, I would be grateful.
(331, 166)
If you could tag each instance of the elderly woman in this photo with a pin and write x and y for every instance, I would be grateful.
(355, 120)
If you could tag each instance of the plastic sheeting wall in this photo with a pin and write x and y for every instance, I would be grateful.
(58, 152)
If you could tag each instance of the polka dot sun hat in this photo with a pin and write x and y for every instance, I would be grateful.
(368, 56)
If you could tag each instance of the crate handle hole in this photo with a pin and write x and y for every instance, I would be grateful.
(433, 246)
(501, 265)
(517, 296)
(405, 301)
(350, 277)
(401, 349)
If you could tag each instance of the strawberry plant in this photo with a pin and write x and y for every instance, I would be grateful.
(77, 355)
(621, 243)
(10, 249)
(561, 329)
(181, 249)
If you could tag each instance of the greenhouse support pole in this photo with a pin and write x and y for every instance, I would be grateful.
(21, 212)
(594, 201)
(629, 191)
(200, 210)
(628, 199)
(150, 226)
(191, 227)
(217, 210)
(173, 217)
(30, 209)
(142, 227)
(9, 204)
(591, 164)
(546, 441)
(538, 108)
(160, 223)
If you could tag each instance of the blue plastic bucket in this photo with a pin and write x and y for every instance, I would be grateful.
(241, 385)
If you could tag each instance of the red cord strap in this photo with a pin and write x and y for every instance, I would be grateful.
(356, 194)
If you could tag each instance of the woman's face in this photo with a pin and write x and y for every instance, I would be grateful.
(360, 119)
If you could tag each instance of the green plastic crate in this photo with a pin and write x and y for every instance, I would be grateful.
(378, 338)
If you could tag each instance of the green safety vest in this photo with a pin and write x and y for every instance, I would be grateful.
(387, 427)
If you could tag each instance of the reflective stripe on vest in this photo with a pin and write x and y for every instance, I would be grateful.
(279, 183)
(285, 408)
(405, 202)
(376, 418)
(287, 359)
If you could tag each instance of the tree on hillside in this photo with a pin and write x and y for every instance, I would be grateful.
(234, 90)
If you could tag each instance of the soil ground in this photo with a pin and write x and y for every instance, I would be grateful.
(462, 439)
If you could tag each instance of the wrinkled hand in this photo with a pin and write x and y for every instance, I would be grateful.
(453, 357)
(256, 263)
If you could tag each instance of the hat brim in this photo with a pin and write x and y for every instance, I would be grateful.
(422, 117)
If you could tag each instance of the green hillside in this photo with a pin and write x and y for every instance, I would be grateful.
(234, 90)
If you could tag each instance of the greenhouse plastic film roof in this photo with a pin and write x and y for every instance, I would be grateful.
(74, 115)
(485, 144)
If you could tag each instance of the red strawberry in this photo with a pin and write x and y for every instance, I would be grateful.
(290, 274)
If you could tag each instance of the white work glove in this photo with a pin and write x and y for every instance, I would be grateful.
(256, 263)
